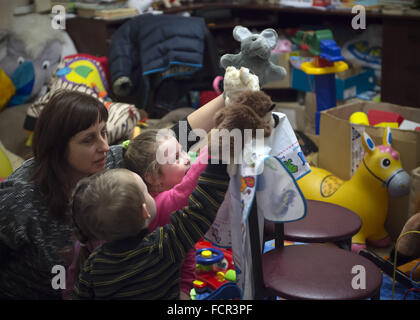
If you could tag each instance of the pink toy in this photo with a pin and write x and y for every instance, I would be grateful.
(282, 46)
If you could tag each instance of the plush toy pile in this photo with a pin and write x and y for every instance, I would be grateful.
(88, 74)
(32, 55)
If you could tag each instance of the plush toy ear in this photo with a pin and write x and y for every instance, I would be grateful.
(240, 33)
(387, 137)
(271, 36)
(368, 143)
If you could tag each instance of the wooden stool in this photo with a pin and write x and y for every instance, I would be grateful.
(319, 272)
(324, 222)
(311, 271)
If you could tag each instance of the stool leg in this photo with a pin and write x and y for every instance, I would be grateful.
(344, 244)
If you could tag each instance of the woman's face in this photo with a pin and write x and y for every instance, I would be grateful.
(87, 151)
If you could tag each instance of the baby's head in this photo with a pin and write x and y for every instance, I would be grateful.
(158, 158)
(111, 205)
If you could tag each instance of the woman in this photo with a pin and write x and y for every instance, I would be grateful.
(69, 143)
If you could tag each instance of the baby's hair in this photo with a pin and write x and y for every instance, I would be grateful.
(106, 206)
(140, 156)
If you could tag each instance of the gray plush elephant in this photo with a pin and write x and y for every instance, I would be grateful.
(33, 50)
(30, 75)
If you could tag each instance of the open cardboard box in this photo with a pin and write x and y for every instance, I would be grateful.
(341, 150)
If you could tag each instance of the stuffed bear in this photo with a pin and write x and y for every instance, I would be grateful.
(251, 110)
(255, 54)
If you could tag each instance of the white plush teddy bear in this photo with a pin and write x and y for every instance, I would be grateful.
(237, 81)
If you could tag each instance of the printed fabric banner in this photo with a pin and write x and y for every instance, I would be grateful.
(268, 175)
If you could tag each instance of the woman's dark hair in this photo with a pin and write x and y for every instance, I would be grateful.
(66, 114)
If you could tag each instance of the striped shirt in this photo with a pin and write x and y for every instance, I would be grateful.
(147, 266)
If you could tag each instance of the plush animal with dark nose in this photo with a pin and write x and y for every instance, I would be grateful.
(255, 54)
(409, 244)
(252, 110)
(240, 121)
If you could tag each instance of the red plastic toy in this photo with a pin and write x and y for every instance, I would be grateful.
(213, 264)
(378, 116)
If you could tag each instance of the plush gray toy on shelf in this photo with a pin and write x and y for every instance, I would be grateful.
(255, 54)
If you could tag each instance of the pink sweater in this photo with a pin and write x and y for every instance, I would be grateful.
(166, 203)
(175, 199)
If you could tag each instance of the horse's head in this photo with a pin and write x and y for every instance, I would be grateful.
(384, 164)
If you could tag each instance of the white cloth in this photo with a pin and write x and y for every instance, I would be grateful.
(262, 175)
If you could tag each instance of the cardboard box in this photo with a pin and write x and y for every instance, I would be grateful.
(295, 113)
(341, 150)
(349, 87)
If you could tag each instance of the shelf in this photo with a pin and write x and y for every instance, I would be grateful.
(277, 8)
(400, 36)
(250, 23)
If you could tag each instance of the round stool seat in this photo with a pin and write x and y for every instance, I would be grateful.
(324, 222)
(319, 272)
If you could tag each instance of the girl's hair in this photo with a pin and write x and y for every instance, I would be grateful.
(66, 114)
(140, 156)
(106, 206)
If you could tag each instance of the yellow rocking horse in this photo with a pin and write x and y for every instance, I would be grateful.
(366, 193)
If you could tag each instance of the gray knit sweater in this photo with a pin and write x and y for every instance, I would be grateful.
(31, 240)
